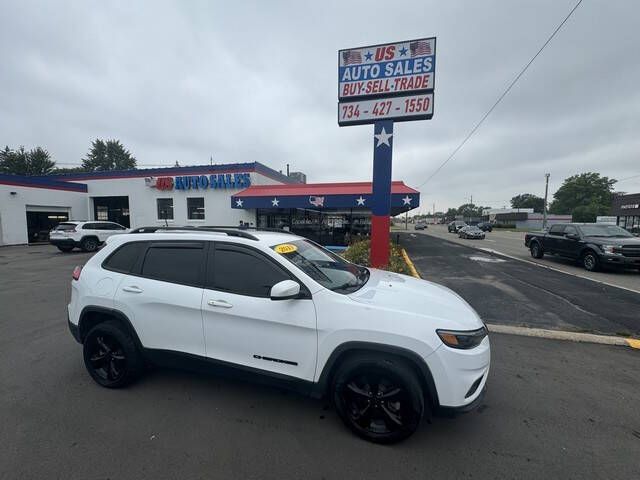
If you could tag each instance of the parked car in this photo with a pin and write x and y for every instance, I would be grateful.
(88, 236)
(386, 349)
(471, 232)
(485, 226)
(593, 245)
(420, 226)
(456, 225)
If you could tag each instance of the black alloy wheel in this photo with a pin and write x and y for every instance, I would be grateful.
(590, 261)
(536, 251)
(89, 244)
(111, 356)
(379, 400)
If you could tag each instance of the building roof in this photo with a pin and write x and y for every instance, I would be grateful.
(175, 171)
(347, 188)
(50, 183)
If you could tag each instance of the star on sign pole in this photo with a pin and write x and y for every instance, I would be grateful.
(407, 200)
(360, 201)
(275, 202)
(239, 203)
(383, 138)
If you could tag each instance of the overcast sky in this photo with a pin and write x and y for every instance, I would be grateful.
(257, 81)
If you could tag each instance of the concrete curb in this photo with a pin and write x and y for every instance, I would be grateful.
(412, 267)
(562, 335)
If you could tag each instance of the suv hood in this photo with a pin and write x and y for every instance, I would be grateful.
(405, 294)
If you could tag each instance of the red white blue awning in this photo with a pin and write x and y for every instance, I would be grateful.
(355, 195)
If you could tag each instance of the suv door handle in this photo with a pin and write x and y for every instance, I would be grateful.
(132, 289)
(219, 303)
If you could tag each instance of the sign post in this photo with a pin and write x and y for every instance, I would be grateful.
(383, 84)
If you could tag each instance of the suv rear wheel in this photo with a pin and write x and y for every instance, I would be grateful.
(379, 399)
(111, 356)
(536, 250)
(89, 244)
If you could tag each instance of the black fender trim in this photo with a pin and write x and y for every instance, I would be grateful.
(111, 313)
(348, 348)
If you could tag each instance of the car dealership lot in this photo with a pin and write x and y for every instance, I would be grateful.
(512, 243)
(553, 409)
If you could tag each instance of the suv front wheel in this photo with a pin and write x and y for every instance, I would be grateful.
(111, 356)
(378, 398)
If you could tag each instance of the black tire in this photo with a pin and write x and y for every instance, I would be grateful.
(590, 261)
(89, 244)
(378, 398)
(536, 250)
(111, 356)
(65, 249)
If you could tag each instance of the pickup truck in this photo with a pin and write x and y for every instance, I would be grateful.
(593, 245)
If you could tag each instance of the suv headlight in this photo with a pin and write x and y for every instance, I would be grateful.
(612, 249)
(463, 339)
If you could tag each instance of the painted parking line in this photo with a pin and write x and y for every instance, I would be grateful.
(496, 252)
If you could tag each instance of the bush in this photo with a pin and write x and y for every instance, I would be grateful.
(358, 253)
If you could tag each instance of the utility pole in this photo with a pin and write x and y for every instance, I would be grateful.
(434, 214)
(406, 220)
(544, 209)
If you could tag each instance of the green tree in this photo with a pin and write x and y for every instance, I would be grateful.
(36, 161)
(528, 200)
(585, 196)
(451, 213)
(108, 155)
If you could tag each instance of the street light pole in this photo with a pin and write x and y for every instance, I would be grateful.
(544, 209)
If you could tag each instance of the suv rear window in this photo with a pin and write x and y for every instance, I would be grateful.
(65, 226)
(124, 258)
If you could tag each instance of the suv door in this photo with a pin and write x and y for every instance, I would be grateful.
(162, 296)
(243, 326)
(553, 237)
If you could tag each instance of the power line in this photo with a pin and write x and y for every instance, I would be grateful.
(627, 178)
(504, 94)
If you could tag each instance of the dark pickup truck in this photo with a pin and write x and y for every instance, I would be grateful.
(593, 245)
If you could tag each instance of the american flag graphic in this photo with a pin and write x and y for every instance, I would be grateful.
(420, 47)
(351, 57)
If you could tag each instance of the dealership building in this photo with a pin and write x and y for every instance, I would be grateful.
(330, 213)
(626, 209)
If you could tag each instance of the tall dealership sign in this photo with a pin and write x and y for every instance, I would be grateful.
(384, 84)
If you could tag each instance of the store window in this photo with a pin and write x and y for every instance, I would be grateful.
(195, 208)
(165, 208)
(102, 212)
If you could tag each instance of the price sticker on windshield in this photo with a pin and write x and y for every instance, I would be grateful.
(285, 248)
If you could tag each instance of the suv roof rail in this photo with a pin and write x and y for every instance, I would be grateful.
(230, 231)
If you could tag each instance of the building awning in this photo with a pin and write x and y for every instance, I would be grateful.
(356, 195)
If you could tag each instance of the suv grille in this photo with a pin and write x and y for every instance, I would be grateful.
(631, 250)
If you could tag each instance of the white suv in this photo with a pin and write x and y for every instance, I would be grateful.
(388, 349)
(86, 235)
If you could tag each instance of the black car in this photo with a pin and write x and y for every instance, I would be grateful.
(593, 245)
(485, 226)
(456, 225)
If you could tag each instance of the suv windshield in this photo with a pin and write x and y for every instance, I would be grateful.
(325, 267)
(604, 231)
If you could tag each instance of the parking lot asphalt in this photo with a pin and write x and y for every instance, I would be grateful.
(511, 292)
(553, 410)
(512, 244)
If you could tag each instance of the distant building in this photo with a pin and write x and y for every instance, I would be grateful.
(626, 209)
(298, 177)
(524, 218)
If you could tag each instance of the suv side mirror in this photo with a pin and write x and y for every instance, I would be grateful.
(285, 290)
